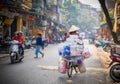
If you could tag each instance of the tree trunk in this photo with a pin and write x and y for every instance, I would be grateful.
(110, 26)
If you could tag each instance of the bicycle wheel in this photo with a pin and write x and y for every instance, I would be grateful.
(69, 69)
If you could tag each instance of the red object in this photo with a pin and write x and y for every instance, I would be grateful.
(114, 58)
(1, 6)
(18, 38)
(29, 17)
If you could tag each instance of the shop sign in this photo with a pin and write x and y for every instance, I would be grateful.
(8, 21)
(7, 13)
(29, 17)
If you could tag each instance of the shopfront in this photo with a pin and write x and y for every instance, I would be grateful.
(5, 32)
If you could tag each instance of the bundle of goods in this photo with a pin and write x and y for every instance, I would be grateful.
(71, 47)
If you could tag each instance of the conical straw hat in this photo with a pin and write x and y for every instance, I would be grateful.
(73, 28)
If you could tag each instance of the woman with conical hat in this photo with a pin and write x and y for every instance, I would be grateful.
(74, 33)
(74, 30)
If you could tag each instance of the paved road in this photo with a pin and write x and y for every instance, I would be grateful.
(44, 70)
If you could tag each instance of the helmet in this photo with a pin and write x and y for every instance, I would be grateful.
(16, 32)
(20, 32)
(40, 33)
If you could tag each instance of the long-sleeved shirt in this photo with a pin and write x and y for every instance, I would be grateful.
(39, 41)
(18, 38)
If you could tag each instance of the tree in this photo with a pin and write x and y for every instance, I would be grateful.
(74, 16)
(70, 13)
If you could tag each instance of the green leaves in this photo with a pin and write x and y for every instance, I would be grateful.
(80, 17)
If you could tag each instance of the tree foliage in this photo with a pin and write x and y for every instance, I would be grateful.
(74, 16)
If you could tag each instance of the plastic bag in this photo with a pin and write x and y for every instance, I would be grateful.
(62, 66)
(82, 67)
(86, 53)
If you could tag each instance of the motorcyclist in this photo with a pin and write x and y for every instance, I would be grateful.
(19, 39)
(22, 41)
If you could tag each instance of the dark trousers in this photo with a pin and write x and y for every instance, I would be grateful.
(21, 50)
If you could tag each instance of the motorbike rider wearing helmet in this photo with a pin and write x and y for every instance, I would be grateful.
(22, 41)
(19, 39)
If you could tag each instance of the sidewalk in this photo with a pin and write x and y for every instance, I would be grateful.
(3, 55)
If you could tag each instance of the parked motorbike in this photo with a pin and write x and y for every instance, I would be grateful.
(45, 43)
(15, 52)
(115, 69)
(91, 41)
(27, 44)
(106, 45)
(5, 44)
(33, 42)
(97, 43)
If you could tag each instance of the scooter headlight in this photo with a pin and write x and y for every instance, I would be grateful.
(12, 54)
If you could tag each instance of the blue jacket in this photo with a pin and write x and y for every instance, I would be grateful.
(39, 41)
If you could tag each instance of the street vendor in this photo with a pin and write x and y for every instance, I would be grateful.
(74, 30)
(74, 34)
(71, 51)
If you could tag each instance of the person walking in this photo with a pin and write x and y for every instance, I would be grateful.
(39, 45)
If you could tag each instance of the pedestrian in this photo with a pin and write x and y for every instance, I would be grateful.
(39, 45)
(73, 32)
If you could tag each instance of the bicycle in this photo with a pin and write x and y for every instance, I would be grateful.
(71, 64)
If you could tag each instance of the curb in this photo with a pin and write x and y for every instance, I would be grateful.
(4, 55)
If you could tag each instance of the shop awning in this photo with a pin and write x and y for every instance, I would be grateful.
(8, 21)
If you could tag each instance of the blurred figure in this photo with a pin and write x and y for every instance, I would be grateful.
(19, 39)
(39, 45)
(22, 41)
(66, 35)
(22, 37)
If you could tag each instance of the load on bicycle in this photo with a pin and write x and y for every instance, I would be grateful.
(72, 53)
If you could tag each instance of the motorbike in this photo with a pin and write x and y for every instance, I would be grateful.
(45, 43)
(106, 45)
(15, 52)
(5, 44)
(27, 44)
(115, 69)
